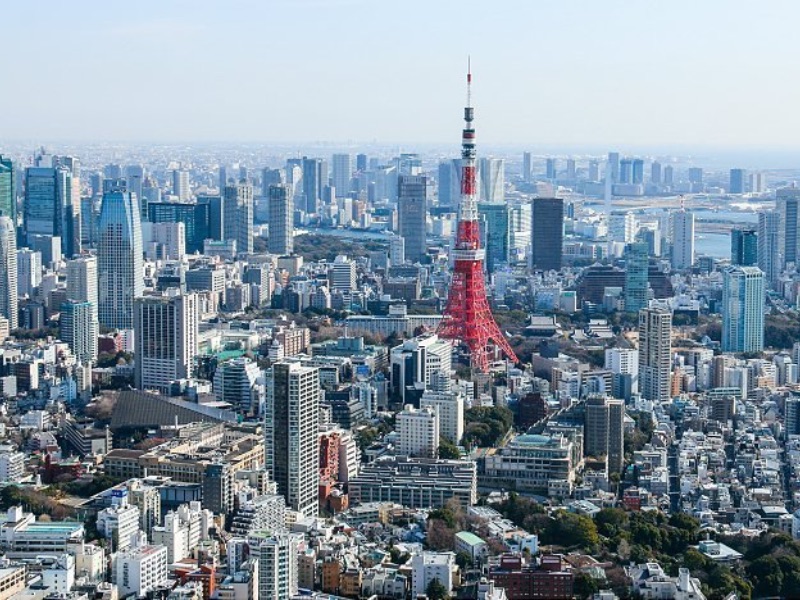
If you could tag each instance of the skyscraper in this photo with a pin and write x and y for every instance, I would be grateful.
(8, 198)
(290, 434)
(655, 173)
(239, 216)
(613, 162)
(551, 168)
(787, 205)
(8, 271)
(637, 171)
(82, 288)
(281, 220)
(449, 182)
(738, 181)
(636, 285)
(180, 185)
(682, 239)
(744, 246)
(526, 167)
(770, 258)
(412, 214)
(119, 259)
(547, 225)
(134, 175)
(29, 271)
(361, 163)
(342, 172)
(742, 309)
(195, 217)
(165, 339)
(312, 184)
(497, 233)
(78, 328)
(669, 175)
(655, 350)
(604, 431)
(492, 180)
(277, 564)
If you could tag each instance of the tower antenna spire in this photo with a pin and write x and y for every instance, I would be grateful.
(469, 81)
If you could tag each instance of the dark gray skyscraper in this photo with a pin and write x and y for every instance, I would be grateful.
(412, 195)
(361, 162)
(119, 259)
(744, 247)
(613, 160)
(280, 220)
(449, 183)
(547, 226)
(787, 205)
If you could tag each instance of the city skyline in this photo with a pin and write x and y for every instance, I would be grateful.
(609, 76)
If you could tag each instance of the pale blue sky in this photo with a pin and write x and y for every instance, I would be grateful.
(575, 73)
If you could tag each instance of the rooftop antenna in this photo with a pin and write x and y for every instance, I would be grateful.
(683, 203)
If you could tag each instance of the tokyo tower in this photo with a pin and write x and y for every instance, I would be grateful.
(467, 317)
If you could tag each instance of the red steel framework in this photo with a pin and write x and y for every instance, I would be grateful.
(467, 316)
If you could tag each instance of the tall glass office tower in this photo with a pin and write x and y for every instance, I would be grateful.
(8, 200)
(119, 256)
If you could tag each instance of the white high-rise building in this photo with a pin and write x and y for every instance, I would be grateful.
(655, 349)
(164, 241)
(8, 272)
(78, 328)
(682, 239)
(236, 383)
(418, 430)
(427, 566)
(743, 298)
(165, 339)
(277, 564)
(624, 361)
(82, 279)
(416, 362)
(140, 570)
(342, 172)
(450, 408)
(180, 185)
(343, 274)
(29, 271)
(491, 172)
(291, 426)
(119, 523)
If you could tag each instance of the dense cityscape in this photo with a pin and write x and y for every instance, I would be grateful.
(373, 371)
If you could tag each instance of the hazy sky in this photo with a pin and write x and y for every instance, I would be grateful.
(584, 72)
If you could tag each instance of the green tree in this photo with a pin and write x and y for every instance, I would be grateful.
(584, 585)
(436, 591)
(448, 449)
(463, 560)
(766, 575)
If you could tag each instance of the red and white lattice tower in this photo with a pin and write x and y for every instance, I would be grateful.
(467, 317)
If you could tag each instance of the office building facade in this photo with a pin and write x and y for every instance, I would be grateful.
(547, 225)
(281, 220)
(119, 260)
(412, 194)
(743, 297)
(655, 353)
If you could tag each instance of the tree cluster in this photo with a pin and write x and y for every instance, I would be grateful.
(486, 426)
